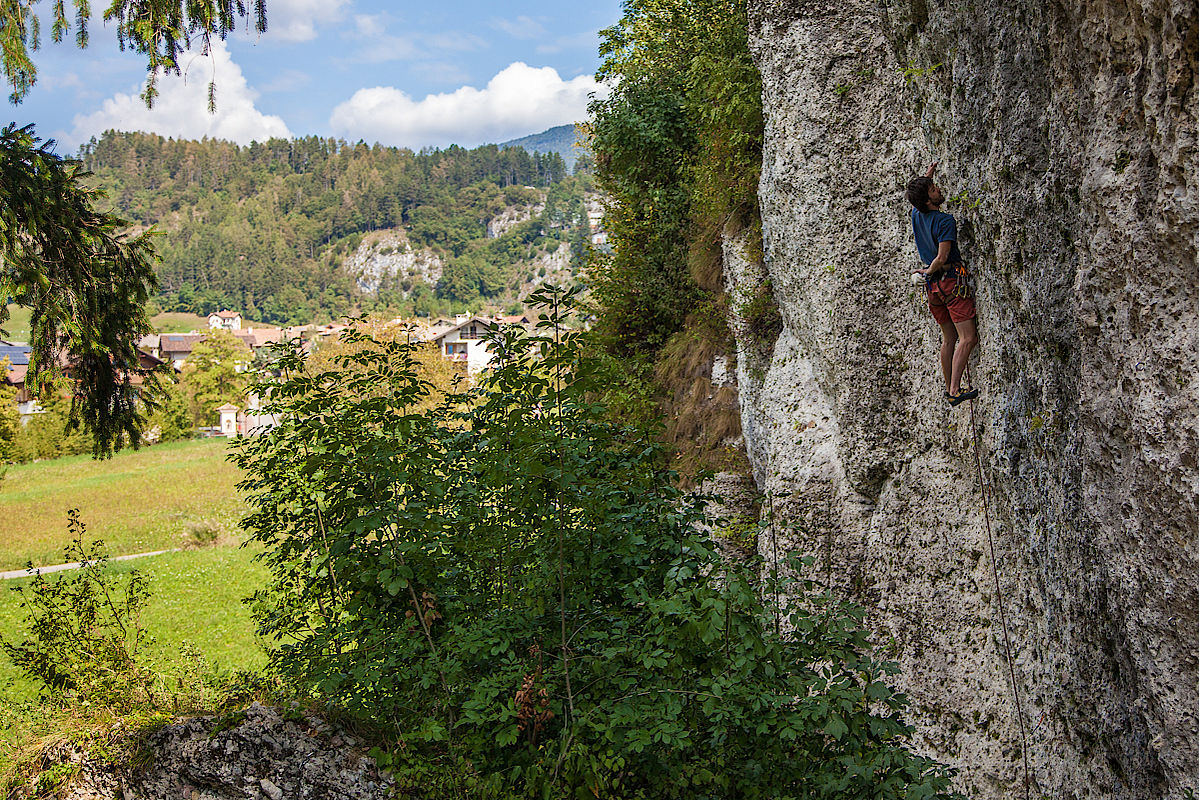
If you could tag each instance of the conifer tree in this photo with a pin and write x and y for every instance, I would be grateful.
(86, 281)
(158, 29)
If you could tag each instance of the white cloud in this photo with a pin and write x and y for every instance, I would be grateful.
(55, 82)
(521, 28)
(297, 20)
(517, 101)
(374, 44)
(181, 108)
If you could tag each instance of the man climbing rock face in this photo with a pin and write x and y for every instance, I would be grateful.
(949, 297)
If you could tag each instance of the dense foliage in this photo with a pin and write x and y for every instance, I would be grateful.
(86, 281)
(678, 151)
(512, 587)
(265, 228)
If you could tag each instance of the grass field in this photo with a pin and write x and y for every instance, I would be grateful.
(178, 322)
(134, 502)
(195, 597)
(182, 322)
(17, 326)
(166, 322)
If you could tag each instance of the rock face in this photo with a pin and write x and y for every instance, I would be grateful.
(509, 218)
(1067, 138)
(388, 258)
(255, 755)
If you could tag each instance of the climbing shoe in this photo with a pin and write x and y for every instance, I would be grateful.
(962, 396)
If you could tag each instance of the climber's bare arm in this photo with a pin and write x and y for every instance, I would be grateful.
(932, 168)
(939, 262)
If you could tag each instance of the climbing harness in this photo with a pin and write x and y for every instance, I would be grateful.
(1007, 641)
(953, 283)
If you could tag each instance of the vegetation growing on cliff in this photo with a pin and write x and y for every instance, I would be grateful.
(678, 151)
(678, 148)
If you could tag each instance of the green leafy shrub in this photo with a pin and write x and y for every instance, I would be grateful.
(85, 636)
(49, 434)
(202, 533)
(511, 585)
(171, 420)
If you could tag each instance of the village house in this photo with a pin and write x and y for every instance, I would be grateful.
(16, 359)
(176, 347)
(228, 320)
(465, 341)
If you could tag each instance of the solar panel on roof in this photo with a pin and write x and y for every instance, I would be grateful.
(16, 354)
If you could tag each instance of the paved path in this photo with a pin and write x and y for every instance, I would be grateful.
(25, 573)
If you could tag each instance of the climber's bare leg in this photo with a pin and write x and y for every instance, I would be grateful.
(949, 338)
(967, 336)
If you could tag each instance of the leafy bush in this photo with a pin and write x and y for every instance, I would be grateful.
(513, 587)
(49, 435)
(202, 533)
(762, 316)
(85, 634)
(171, 420)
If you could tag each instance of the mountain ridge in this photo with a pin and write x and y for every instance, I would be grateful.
(560, 139)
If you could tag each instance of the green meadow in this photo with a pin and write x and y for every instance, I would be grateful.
(178, 322)
(136, 501)
(196, 597)
(16, 327)
(183, 321)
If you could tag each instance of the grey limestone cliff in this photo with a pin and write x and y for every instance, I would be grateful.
(1067, 138)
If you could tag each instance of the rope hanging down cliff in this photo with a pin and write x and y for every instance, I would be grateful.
(999, 604)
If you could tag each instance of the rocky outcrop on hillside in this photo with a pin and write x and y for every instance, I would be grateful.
(258, 754)
(1067, 138)
(509, 218)
(387, 258)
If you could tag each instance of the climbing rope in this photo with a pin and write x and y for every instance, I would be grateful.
(1007, 640)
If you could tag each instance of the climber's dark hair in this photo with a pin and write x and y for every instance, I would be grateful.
(917, 193)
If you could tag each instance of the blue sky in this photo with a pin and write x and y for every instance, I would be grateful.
(461, 71)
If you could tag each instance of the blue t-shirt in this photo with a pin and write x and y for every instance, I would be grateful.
(932, 228)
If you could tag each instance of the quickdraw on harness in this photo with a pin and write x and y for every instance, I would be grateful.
(953, 282)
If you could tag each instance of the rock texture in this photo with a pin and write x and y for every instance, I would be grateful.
(509, 218)
(255, 755)
(387, 258)
(1067, 137)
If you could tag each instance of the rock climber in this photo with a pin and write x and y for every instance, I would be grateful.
(949, 296)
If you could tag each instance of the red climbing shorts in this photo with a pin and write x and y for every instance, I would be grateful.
(950, 298)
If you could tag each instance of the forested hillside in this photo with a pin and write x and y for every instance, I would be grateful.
(266, 228)
(561, 139)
